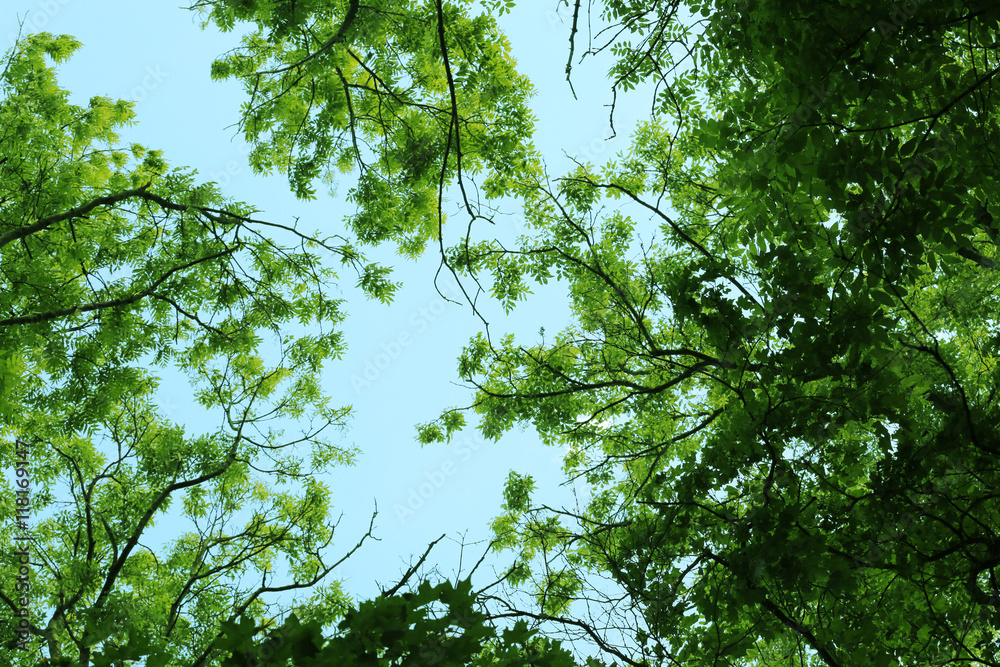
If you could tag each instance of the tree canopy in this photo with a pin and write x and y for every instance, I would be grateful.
(412, 96)
(780, 381)
(116, 268)
(782, 377)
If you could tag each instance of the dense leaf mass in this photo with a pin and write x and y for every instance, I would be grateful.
(782, 377)
(114, 271)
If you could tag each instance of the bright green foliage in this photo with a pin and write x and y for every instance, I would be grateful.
(113, 270)
(415, 95)
(782, 379)
(438, 625)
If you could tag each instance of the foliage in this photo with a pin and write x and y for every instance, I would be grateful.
(780, 383)
(399, 630)
(113, 270)
(414, 95)
(782, 379)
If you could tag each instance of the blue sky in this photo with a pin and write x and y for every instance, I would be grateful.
(400, 366)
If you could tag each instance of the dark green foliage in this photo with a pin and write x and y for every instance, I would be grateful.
(784, 396)
(435, 627)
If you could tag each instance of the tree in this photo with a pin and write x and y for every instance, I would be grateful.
(782, 376)
(113, 270)
(416, 93)
(781, 381)
(436, 624)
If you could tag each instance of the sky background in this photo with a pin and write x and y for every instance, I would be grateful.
(156, 54)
